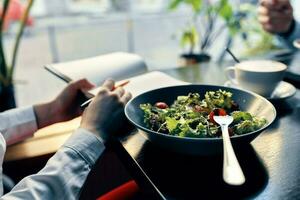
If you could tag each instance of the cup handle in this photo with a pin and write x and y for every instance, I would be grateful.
(229, 71)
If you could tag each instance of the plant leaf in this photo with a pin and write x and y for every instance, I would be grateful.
(174, 4)
(3, 64)
(5, 7)
(189, 37)
(196, 4)
(18, 39)
(226, 10)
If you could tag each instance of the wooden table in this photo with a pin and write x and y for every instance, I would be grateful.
(45, 141)
(271, 162)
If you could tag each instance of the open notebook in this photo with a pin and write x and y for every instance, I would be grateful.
(119, 66)
(146, 82)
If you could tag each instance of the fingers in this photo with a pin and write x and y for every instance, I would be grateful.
(276, 9)
(82, 84)
(108, 84)
(126, 97)
(275, 4)
(122, 95)
(275, 25)
(275, 16)
(119, 91)
(274, 21)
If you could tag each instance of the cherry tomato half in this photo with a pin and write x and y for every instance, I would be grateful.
(217, 112)
(220, 112)
(161, 105)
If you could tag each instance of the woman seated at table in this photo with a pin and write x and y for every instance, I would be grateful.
(65, 173)
(277, 17)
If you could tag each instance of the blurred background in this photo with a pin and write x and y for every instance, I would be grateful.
(63, 30)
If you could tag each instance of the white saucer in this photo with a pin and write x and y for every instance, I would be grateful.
(283, 91)
(296, 43)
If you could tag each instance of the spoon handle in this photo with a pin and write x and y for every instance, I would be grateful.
(232, 172)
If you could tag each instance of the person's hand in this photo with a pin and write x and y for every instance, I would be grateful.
(65, 106)
(105, 114)
(275, 16)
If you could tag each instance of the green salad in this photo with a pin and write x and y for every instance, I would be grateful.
(192, 116)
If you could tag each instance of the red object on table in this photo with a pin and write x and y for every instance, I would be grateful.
(123, 192)
(14, 13)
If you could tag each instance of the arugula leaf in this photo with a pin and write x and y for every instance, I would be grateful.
(171, 123)
(241, 116)
(218, 99)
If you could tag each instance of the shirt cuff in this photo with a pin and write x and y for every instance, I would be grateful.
(86, 144)
(20, 124)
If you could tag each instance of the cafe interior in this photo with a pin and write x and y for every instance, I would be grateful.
(149, 99)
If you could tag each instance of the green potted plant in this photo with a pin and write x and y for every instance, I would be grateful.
(203, 29)
(7, 97)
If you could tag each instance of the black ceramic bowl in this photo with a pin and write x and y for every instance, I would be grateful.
(247, 101)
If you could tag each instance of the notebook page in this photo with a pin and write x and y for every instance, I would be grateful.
(145, 82)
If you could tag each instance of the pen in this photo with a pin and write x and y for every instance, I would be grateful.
(86, 103)
(120, 85)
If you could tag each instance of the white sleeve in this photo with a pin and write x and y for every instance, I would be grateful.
(17, 124)
(65, 173)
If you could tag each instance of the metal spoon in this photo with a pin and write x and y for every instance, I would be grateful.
(232, 172)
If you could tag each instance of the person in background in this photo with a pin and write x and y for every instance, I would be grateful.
(277, 17)
(66, 171)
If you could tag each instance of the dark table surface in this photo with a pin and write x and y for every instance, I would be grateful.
(271, 163)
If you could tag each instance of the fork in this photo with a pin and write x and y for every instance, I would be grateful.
(232, 172)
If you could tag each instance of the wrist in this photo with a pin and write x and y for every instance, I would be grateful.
(98, 133)
(45, 114)
(290, 30)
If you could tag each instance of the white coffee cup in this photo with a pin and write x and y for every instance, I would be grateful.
(259, 76)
